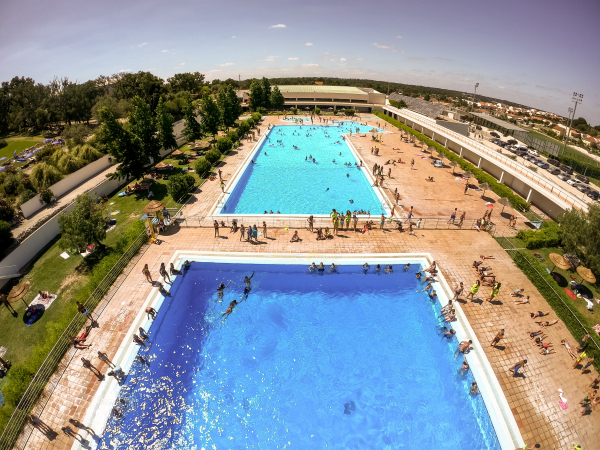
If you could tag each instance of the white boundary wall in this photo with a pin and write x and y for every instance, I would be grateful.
(503, 420)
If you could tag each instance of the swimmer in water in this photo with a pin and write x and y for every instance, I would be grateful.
(232, 305)
(312, 267)
(248, 287)
(220, 290)
(378, 268)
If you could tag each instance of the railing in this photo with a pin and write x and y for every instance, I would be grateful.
(551, 187)
(56, 362)
(546, 289)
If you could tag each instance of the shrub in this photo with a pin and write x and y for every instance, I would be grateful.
(3, 143)
(250, 122)
(44, 175)
(179, 185)
(481, 176)
(213, 156)
(549, 235)
(260, 112)
(233, 136)
(224, 145)
(25, 196)
(46, 196)
(317, 111)
(294, 110)
(533, 168)
(398, 104)
(202, 166)
(11, 183)
(6, 236)
(7, 212)
(243, 128)
(349, 112)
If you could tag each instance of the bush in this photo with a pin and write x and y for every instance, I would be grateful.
(179, 185)
(224, 145)
(549, 235)
(294, 110)
(7, 212)
(25, 196)
(481, 176)
(6, 236)
(317, 111)
(349, 112)
(260, 112)
(11, 183)
(233, 136)
(532, 168)
(243, 128)
(398, 104)
(213, 156)
(251, 122)
(202, 166)
(3, 143)
(46, 196)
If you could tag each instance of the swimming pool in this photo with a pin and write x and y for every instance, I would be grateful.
(283, 178)
(341, 360)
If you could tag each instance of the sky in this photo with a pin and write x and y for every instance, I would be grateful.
(535, 52)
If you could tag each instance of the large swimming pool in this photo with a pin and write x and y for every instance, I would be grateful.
(284, 178)
(345, 360)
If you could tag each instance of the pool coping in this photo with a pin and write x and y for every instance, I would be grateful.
(215, 210)
(501, 416)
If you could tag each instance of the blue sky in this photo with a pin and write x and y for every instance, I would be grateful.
(534, 52)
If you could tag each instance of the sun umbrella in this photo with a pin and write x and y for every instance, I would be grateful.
(504, 201)
(453, 164)
(161, 165)
(559, 261)
(177, 153)
(485, 187)
(467, 174)
(18, 292)
(307, 108)
(202, 144)
(154, 205)
(47, 141)
(586, 274)
(29, 155)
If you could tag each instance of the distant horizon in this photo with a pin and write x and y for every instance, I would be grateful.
(531, 53)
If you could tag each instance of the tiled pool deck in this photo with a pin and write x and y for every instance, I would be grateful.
(533, 399)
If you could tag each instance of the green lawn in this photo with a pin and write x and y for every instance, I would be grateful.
(19, 146)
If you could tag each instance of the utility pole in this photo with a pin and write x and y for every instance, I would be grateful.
(474, 94)
(577, 98)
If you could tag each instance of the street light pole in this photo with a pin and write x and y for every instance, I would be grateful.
(577, 98)
(474, 94)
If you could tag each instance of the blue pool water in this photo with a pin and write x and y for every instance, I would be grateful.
(283, 180)
(308, 361)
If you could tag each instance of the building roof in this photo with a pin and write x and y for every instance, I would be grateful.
(321, 89)
(497, 121)
(424, 107)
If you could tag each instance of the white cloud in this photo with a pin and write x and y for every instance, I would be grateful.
(342, 59)
(279, 25)
(399, 37)
(376, 45)
(165, 51)
(124, 70)
(310, 65)
(225, 64)
(269, 58)
(233, 37)
(142, 44)
(359, 59)
(308, 44)
(293, 59)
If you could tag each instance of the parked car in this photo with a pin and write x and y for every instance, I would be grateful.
(572, 181)
(496, 135)
(533, 152)
(543, 165)
(512, 142)
(593, 194)
(521, 153)
(582, 178)
(566, 168)
(512, 149)
(582, 187)
(478, 127)
(554, 162)
(564, 176)
(553, 170)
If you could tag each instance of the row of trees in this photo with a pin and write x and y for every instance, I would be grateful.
(262, 97)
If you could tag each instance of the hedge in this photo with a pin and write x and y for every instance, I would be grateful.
(213, 155)
(550, 235)
(578, 166)
(481, 176)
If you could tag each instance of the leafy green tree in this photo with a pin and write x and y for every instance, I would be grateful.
(123, 146)
(46, 196)
(202, 166)
(84, 225)
(44, 175)
(179, 185)
(87, 153)
(581, 235)
(224, 144)
(69, 163)
(266, 93)
(213, 155)
(349, 112)
(25, 196)
(229, 105)
(7, 212)
(317, 111)
(142, 84)
(192, 129)
(6, 237)
(277, 99)
(190, 82)
(164, 123)
(25, 98)
(233, 136)
(4, 111)
(211, 116)
(77, 132)
(255, 96)
(243, 128)
(118, 108)
(142, 126)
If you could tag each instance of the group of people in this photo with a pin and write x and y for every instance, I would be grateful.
(485, 222)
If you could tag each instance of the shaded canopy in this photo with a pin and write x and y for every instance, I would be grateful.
(586, 274)
(177, 153)
(559, 261)
(161, 165)
(154, 205)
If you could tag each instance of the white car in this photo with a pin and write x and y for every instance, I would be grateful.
(572, 182)
(533, 152)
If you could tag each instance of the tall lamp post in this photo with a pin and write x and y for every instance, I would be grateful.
(474, 94)
(577, 98)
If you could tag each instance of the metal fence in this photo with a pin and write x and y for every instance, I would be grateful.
(551, 148)
(57, 360)
(546, 289)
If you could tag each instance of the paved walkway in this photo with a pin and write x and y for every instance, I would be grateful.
(532, 397)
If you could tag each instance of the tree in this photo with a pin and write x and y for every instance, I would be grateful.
(118, 108)
(266, 93)
(192, 129)
(7, 212)
(277, 99)
(581, 235)
(46, 196)
(255, 96)
(84, 225)
(317, 111)
(190, 82)
(179, 185)
(202, 166)
(243, 128)
(123, 146)
(211, 116)
(349, 112)
(164, 124)
(44, 175)
(142, 126)
(212, 156)
(25, 98)
(224, 144)
(77, 133)
(6, 237)
(229, 105)
(143, 84)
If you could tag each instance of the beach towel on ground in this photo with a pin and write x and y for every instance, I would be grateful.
(46, 302)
